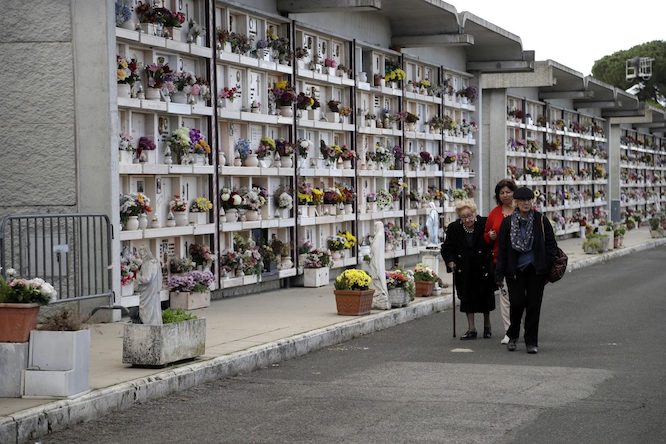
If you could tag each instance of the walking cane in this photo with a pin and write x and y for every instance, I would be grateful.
(453, 298)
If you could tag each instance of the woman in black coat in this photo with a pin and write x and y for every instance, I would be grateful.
(470, 258)
(526, 251)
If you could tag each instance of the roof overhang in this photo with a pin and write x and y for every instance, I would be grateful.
(308, 6)
(645, 117)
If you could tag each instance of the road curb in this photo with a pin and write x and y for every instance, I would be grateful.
(38, 421)
(604, 257)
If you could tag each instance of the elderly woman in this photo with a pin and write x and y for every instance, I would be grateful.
(526, 250)
(504, 199)
(468, 256)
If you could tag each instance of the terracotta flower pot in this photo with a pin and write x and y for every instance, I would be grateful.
(16, 321)
(353, 302)
(424, 288)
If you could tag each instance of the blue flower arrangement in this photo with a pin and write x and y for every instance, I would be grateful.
(242, 147)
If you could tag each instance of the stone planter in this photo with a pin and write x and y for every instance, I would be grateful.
(353, 302)
(189, 300)
(58, 363)
(424, 288)
(315, 277)
(160, 345)
(16, 321)
(398, 297)
(13, 362)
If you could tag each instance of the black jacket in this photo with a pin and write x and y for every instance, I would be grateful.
(544, 248)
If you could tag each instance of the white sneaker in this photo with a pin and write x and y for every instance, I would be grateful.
(505, 340)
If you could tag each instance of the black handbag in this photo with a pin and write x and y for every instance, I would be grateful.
(559, 266)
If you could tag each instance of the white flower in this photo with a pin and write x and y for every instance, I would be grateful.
(305, 144)
(11, 272)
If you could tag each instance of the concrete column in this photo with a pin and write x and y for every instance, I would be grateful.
(93, 39)
(614, 133)
(493, 142)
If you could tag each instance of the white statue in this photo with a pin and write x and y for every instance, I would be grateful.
(380, 300)
(433, 226)
(150, 284)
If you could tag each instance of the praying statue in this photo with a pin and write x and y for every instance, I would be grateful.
(432, 224)
(150, 284)
(380, 300)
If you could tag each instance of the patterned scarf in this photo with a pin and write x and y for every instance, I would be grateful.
(518, 241)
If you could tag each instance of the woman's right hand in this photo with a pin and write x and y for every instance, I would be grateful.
(492, 234)
(451, 265)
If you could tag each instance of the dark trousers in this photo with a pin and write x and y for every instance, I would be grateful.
(525, 295)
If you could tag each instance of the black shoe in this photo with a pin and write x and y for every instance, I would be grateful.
(511, 346)
(486, 333)
(532, 349)
(468, 335)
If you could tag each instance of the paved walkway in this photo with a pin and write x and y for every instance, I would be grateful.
(243, 334)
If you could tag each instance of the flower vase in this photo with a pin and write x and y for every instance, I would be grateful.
(314, 114)
(221, 159)
(396, 205)
(238, 162)
(126, 157)
(153, 94)
(232, 215)
(129, 24)
(143, 221)
(124, 90)
(265, 162)
(286, 111)
(181, 218)
(349, 208)
(251, 215)
(312, 211)
(251, 160)
(362, 76)
(286, 161)
(286, 263)
(347, 164)
(179, 97)
(333, 117)
(285, 213)
(198, 218)
(336, 255)
(132, 223)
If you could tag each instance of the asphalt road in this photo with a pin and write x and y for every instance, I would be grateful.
(599, 377)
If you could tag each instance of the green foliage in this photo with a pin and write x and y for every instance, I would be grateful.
(169, 316)
(21, 294)
(612, 68)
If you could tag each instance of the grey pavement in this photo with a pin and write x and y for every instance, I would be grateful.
(243, 334)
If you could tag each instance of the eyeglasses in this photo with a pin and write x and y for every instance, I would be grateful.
(471, 216)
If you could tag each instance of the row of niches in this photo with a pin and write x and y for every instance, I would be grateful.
(642, 178)
(639, 196)
(155, 202)
(638, 141)
(252, 199)
(177, 256)
(250, 256)
(633, 158)
(178, 20)
(162, 139)
(545, 116)
(538, 143)
(535, 170)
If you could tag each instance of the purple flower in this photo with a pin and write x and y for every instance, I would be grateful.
(195, 136)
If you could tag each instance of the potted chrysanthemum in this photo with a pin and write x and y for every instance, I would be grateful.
(425, 279)
(353, 296)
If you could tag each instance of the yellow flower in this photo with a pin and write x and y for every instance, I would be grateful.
(353, 279)
(121, 74)
(282, 84)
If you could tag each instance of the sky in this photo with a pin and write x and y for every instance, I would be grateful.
(574, 33)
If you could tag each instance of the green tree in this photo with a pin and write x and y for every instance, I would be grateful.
(612, 69)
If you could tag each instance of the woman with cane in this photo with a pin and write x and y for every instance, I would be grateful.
(467, 255)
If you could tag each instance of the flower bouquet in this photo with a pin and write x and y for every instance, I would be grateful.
(401, 286)
(425, 279)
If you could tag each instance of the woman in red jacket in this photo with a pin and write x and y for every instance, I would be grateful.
(504, 198)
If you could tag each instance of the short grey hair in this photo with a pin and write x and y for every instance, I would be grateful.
(465, 203)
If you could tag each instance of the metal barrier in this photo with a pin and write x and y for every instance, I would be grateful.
(70, 251)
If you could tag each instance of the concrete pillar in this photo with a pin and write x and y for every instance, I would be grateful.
(614, 133)
(493, 144)
(93, 39)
